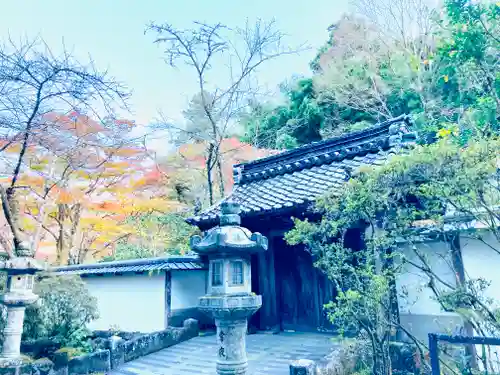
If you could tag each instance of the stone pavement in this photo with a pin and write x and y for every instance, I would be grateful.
(267, 355)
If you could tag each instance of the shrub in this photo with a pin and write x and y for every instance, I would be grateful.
(62, 313)
(349, 357)
(3, 281)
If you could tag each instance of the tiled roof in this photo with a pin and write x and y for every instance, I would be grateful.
(295, 178)
(187, 262)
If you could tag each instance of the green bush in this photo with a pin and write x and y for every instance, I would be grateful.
(3, 281)
(62, 313)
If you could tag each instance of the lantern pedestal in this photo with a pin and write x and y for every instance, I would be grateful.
(12, 332)
(231, 315)
(232, 356)
(20, 283)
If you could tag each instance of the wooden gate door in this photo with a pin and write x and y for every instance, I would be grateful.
(302, 289)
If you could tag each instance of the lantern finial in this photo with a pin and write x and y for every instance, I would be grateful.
(230, 213)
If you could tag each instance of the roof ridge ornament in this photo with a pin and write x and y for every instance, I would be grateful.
(400, 134)
(237, 173)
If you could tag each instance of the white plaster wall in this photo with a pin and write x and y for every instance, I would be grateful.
(420, 313)
(415, 296)
(129, 302)
(187, 287)
(481, 261)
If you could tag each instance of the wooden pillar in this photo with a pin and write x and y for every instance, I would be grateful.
(268, 313)
(168, 297)
(318, 305)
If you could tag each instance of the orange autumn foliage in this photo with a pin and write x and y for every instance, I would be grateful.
(75, 123)
(233, 152)
(188, 164)
(80, 185)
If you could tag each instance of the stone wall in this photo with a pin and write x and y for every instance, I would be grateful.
(97, 362)
(153, 342)
(116, 352)
(135, 345)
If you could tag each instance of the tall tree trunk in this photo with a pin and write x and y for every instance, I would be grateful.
(458, 267)
(62, 248)
(221, 175)
(209, 173)
(10, 207)
(81, 254)
(68, 219)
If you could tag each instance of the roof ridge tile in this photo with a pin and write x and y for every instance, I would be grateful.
(295, 179)
(383, 135)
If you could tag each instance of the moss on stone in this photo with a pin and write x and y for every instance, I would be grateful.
(71, 352)
(26, 358)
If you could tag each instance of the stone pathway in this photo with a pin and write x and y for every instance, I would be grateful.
(267, 355)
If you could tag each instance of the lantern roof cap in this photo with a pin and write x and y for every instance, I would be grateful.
(229, 237)
(21, 265)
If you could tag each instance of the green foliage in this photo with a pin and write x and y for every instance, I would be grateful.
(415, 186)
(62, 313)
(361, 75)
(286, 126)
(433, 185)
(468, 57)
(125, 251)
(448, 79)
(304, 118)
(71, 351)
(315, 63)
(158, 236)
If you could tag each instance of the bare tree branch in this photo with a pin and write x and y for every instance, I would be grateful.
(205, 46)
(36, 84)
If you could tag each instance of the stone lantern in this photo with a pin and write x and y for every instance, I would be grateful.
(230, 300)
(19, 294)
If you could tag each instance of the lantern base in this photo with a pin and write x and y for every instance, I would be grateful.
(230, 307)
(231, 313)
(11, 363)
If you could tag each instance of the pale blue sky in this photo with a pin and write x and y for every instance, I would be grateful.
(112, 32)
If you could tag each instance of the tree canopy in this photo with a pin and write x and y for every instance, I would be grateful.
(439, 65)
